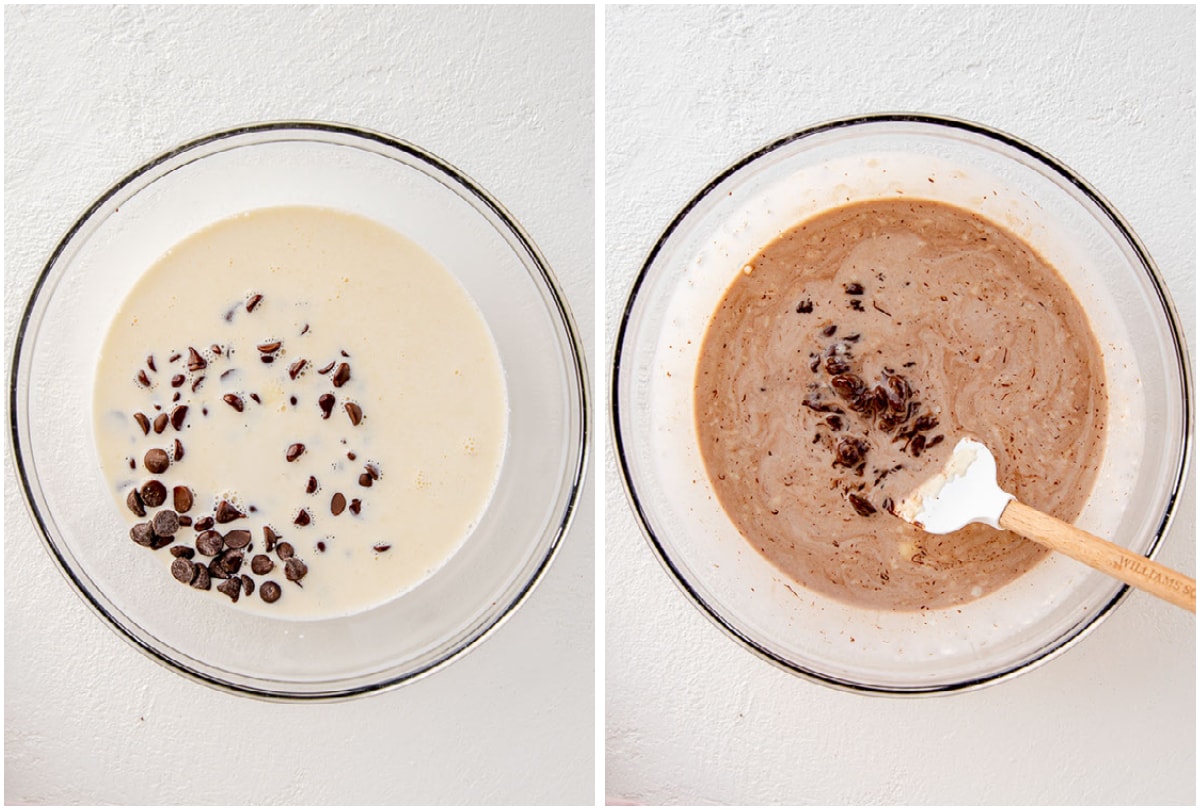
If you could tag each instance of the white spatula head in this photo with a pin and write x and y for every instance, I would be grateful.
(964, 491)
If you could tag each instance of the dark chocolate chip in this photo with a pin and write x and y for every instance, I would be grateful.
(196, 384)
(178, 380)
(354, 412)
(261, 564)
(227, 512)
(183, 570)
(182, 499)
(861, 505)
(854, 288)
(165, 523)
(134, 502)
(178, 415)
(351, 455)
(355, 506)
(295, 569)
(269, 537)
(295, 368)
(373, 471)
(235, 402)
(936, 440)
(321, 546)
(284, 550)
(157, 460)
(205, 523)
(804, 307)
(303, 519)
(201, 580)
(142, 378)
(364, 480)
(150, 363)
(327, 368)
(256, 398)
(270, 347)
(231, 588)
(238, 538)
(160, 423)
(381, 547)
(142, 534)
(247, 585)
(338, 505)
(186, 552)
(230, 561)
(294, 451)
(270, 591)
(209, 543)
(195, 361)
(253, 303)
(326, 403)
(829, 330)
(154, 494)
(162, 542)
(184, 520)
(342, 375)
(311, 487)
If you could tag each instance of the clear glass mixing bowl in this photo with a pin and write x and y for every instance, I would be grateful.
(878, 156)
(400, 186)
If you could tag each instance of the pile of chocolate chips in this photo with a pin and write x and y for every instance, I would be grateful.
(857, 411)
(214, 553)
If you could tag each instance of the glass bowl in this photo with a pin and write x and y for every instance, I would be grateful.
(397, 185)
(879, 156)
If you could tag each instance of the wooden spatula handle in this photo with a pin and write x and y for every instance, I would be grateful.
(1132, 569)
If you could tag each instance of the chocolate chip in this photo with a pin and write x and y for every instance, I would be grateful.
(304, 331)
(150, 363)
(295, 569)
(174, 357)
(238, 538)
(235, 402)
(364, 480)
(345, 353)
(829, 330)
(256, 398)
(142, 534)
(132, 464)
(183, 570)
(160, 423)
(850, 451)
(292, 400)
(861, 505)
(209, 543)
(303, 519)
(261, 564)
(154, 494)
(342, 375)
(178, 380)
(184, 520)
(270, 348)
(351, 455)
(327, 368)
(165, 523)
(355, 506)
(186, 552)
(175, 398)
(134, 502)
(227, 512)
(231, 588)
(847, 386)
(204, 524)
(321, 546)
(295, 368)
(229, 561)
(294, 451)
(354, 412)
(284, 550)
(269, 537)
(311, 487)
(326, 402)
(381, 547)
(142, 378)
(270, 591)
(201, 580)
(338, 505)
(195, 361)
(178, 450)
(157, 460)
(834, 421)
(178, 415)
(804, 307)
(215, 349)
(162, 542)
(267, 358)
(247, 585)
(936, 440)
(926, 422)
(373, 471)
(917, 445)
(253, 303)
(854, 288)
(836, 366)
(196, 384)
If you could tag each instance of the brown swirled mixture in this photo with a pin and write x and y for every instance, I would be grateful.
(846, 360)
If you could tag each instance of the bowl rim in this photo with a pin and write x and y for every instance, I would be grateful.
(462, 185)
(934, 121)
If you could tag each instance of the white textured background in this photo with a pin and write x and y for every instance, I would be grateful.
(693, 717)
(506, 95)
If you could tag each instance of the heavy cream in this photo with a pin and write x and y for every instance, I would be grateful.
(342, 392)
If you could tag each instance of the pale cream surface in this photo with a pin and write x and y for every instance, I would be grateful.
(990, 339)
(424, 370)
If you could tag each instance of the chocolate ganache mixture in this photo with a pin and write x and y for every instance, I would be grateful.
(845, 362)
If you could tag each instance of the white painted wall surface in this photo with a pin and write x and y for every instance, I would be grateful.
(505, 94)
(691, 716)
